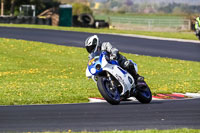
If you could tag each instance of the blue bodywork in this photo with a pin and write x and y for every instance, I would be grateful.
(97, 60)
(92, 64)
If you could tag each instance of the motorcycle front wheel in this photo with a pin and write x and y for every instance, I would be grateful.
(111, 95)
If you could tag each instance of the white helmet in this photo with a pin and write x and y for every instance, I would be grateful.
(91, 43)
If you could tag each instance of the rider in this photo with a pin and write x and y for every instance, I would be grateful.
(93, 44)
(197, 25)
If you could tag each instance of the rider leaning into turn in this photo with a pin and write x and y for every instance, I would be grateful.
(197, 25)
(93, 44)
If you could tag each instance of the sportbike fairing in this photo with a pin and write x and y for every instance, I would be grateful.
(99, 63)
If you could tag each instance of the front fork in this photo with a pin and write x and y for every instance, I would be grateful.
(111, 81)
(133, 91)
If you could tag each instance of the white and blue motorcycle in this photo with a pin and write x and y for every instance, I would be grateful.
(114, 83)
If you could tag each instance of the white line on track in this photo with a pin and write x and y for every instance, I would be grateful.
(154, 38)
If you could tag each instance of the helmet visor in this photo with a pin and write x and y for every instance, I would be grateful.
(91, 48)
(94, 42)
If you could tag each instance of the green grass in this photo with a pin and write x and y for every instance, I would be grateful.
(184, 130)
(41, 73)
(143, 16)
(179, 35)
(142, 19)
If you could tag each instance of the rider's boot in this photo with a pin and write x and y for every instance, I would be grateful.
(129, 66)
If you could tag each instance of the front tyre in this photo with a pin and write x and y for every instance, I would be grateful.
(144, 96)
(112, 96)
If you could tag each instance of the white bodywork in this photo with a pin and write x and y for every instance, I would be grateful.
(125, 79)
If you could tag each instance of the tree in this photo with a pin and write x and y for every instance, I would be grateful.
(2, 7)
(81, 8)
(12, 8)
(129, 2)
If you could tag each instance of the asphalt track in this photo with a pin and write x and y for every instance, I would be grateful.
(141, 46)
(102, 116)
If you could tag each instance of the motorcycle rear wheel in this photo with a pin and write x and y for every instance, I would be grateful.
(144, 96)
(111, 96)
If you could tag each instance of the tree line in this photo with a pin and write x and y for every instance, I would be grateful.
(11, 7)
(124, 6)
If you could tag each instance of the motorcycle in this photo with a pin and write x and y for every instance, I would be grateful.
(114, 83)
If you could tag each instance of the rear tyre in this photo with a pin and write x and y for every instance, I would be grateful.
(112, 96)
(144, 95)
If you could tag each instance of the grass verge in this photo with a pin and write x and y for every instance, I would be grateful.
(178, 35)
(184, 130)
(41, 73)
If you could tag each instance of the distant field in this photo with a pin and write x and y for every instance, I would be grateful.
(150, 21)
(106, 16)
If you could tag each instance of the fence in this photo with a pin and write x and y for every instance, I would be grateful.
(151, 24)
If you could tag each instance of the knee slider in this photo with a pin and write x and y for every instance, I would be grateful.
(127, 64)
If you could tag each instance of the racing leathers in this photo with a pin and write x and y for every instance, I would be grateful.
(123, 62)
